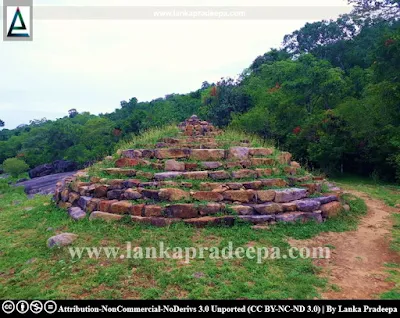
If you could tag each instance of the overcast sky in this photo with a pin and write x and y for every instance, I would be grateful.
(92, 65)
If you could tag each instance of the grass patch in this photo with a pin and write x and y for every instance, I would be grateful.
(230, 136)
(28, 269)
(149, 137)
(389, 193)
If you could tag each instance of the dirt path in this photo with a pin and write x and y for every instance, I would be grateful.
(357, 262)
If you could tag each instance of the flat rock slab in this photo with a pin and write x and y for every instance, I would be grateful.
(44, 185)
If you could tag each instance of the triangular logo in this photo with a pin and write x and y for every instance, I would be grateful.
(13, 27)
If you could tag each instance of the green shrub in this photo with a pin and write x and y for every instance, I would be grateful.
(15, 166)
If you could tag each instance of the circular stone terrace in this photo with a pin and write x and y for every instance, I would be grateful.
(200, 175)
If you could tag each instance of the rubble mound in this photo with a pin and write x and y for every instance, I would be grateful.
(199, 177)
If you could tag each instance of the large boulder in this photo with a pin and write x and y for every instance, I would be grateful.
(57, 166)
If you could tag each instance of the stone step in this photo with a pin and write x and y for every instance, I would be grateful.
(205, 221)
(248, 202)
(233, 153)
(233, 174)
(266, 166)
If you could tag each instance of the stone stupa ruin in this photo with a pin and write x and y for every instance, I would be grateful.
(199, 179)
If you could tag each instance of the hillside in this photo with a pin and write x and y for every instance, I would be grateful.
(200, 175)
(328, 96)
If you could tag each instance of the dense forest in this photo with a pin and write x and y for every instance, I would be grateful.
(330, 95)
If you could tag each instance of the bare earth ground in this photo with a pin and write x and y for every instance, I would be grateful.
(357, 260)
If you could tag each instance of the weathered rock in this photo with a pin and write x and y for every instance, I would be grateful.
(131, 183)
(167, 175)
(127, 162)
(244, 196)
(240, 153)
(161, 222)
(287, 195)
(326, 199)
(211, 164)
(289, 206)
(311, 187)
(219, 175)
(207, 154)
(73, 197)
(121, 207)
(114, 194)
(76, 213)
(262, 161)
(174, 165)
(148, 153)
(93, 205)
(233, 165)
(265, 195)
(58, 166)
(191, 166)
(172, 153)
(295, 164)
(131, 194)
(254, 185)
(268, 208)
(274, 183)
(235, 185)
(242, 209)
(137, 209)
(244, 173)
(173, 194)
(105, 216)
(257, 219)
(62, 239)
(209, 220)
(308, 205)
(150, 194)
(331, 209)
(105, 205)
(182, 211)
(261, 151)
(131, 153)
(207, 196)
(84, 201)
(299, 216)
(153, 210)
(195, 175)
(211, 208)
(116, 184)
(65, 195)
(100, 191)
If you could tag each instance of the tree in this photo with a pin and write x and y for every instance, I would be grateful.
(15, 166)
(72, 113)
(376, 9)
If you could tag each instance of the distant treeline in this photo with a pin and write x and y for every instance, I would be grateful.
(330, 95)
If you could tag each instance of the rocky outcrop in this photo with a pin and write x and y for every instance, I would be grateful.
(58, 166)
